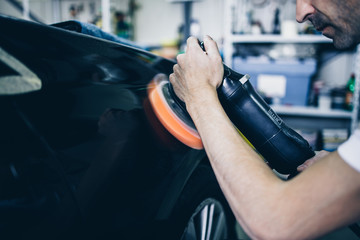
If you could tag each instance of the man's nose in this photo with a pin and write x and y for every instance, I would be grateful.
(304, 8)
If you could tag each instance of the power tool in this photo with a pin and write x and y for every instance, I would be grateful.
(282, 147)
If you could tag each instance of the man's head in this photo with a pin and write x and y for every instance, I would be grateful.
(336, 19)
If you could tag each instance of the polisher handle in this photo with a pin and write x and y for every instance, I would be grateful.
(280, 145)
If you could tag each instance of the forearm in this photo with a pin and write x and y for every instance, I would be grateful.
(264, 205)
(243, 175)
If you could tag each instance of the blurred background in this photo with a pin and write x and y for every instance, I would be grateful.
(151, 22)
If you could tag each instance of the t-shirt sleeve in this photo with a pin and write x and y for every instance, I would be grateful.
(350, 150)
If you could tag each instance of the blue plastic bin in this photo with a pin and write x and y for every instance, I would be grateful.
(298, 74)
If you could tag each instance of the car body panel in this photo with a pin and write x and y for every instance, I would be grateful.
(79, 146)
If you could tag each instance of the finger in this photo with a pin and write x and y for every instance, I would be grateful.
(211, 46)
(175, 77)
(176, 69)
(172, 78)
(180, 58)
(302, 167)
(307, 163)
(173, 81)
(193, 45)
(176, 85)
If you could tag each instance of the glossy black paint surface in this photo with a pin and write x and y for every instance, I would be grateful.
(81, 152)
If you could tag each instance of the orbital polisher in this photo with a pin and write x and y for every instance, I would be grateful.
(282, 147)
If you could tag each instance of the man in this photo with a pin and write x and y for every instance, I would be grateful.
(322, 198)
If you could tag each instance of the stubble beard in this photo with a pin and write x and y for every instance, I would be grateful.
(344, 36)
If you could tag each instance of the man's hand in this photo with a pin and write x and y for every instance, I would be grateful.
(197, 71)
(312, 160)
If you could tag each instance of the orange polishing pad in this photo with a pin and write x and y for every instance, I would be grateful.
(177, 127)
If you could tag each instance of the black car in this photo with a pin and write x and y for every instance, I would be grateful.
(82, 155)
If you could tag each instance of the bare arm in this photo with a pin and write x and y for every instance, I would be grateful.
(322, 198)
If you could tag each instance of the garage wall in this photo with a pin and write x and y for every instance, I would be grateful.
(41, 8)
(157, 21)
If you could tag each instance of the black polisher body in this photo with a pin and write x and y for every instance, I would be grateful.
(280, 145)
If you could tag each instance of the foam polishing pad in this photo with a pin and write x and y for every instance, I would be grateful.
(173, 117)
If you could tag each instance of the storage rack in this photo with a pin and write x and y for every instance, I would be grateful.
(297, 115)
